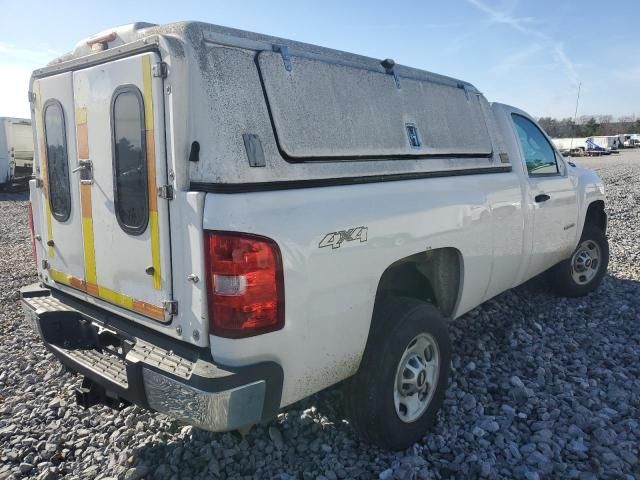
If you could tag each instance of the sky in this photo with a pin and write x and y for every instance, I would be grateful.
(532, 54)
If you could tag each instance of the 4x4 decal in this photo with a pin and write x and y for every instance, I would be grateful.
(335, 239)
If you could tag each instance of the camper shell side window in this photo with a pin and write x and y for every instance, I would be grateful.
(129, 159)
(57, 160)
(336, 111)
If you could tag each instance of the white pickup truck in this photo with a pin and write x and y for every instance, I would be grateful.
(225, 223)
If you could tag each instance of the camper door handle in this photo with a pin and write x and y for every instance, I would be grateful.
(86, 172)
(543, 197)
(82, 164)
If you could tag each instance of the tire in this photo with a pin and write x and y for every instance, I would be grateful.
(567, 278)
(370, 395)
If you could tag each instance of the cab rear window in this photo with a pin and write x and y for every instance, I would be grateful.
(129, 158)
(57, 161)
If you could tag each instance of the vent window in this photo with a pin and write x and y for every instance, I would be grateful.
(412, 133)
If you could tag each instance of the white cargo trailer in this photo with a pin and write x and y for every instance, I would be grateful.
(16, 149)
(610, 142)
(631, 140)
(569, 144)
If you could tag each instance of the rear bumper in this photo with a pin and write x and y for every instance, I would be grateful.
(134, 364)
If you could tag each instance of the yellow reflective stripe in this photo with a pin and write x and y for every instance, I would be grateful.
(116, 298)
(47, 213)
(154, 229)
(155, 249)
(111, 296)
(70, 280)
(81, 115)
(59, 277)
(43, 165)
(88, 249)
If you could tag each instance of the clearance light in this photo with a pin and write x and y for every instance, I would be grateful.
(101, 42)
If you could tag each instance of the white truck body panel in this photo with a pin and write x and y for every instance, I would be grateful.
(416, 185)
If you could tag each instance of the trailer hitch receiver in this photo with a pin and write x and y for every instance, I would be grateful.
(91, 394)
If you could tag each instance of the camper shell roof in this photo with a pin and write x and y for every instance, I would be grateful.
(268, 112)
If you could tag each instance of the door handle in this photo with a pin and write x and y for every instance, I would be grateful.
(81, 166)
(543, 197)
(85, 167)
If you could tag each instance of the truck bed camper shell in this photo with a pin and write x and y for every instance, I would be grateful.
(260, 112)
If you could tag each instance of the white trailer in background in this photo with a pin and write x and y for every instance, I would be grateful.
(631, 140)
(570, 145)
(16, 149)
(608, 142)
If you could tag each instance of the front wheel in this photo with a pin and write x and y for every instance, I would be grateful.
(584, 270)
(400, 386)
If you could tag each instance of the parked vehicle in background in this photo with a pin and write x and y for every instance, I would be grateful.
(609, 142)
(631, 140)
(227, 222)
(16, 150)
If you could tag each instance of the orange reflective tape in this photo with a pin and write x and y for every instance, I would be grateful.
(147, 94)
(148, 309)
(77, 283)
(82, 135)
(85, 200)
(111, 296)
(93, 289)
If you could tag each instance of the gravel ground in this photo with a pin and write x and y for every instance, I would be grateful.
(542, 387)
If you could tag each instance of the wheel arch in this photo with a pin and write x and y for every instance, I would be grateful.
(433, 276)
(596, 215)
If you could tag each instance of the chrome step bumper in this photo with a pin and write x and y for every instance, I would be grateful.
(128, 363)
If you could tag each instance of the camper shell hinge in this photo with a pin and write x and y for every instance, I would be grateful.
(166, 192)
(160, 70)
(31, 96)
(170, 308)
(283, 50)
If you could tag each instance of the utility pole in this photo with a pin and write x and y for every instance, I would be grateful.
(575, 116)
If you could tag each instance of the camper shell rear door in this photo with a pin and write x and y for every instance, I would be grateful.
(118, 230)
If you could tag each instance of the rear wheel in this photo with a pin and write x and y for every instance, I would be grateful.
(396, 394)
(584, 270)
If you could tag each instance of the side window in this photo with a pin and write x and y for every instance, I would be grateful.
(538, 153)
(129, 160)
(57, 160)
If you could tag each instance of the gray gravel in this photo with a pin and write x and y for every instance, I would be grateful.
(542, 387)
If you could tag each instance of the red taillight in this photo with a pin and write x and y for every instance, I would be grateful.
(33, 234)
(245, 284)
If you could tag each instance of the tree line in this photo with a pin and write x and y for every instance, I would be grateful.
(589, 126)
